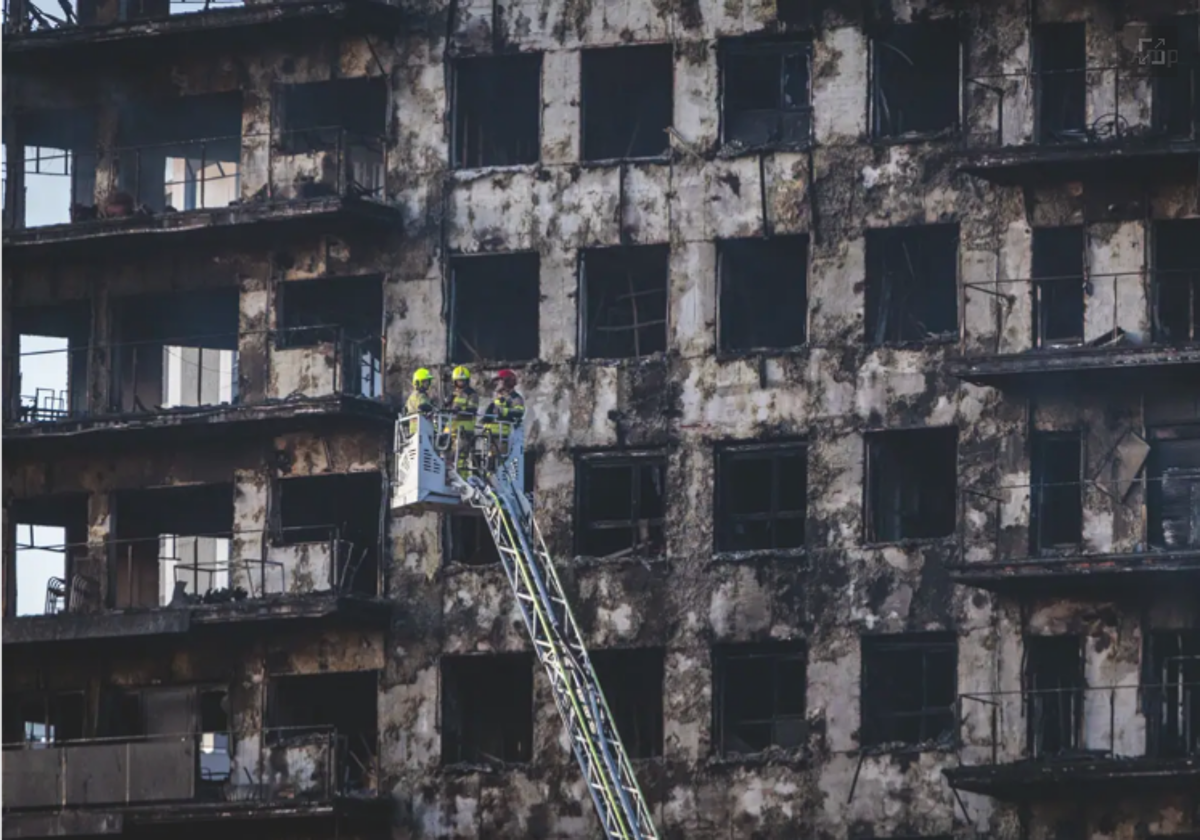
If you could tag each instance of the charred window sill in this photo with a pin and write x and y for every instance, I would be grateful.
(733, 150)
(947, 541)
(585, 561)
(756, 353)
(468, 174)
(944, 136)
(900, 749)
(797, 759)
(460, 769)
(936, 342)
(610, 162)
(626, 361)
(758, 554)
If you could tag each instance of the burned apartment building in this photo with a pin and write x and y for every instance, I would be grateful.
(861, 345)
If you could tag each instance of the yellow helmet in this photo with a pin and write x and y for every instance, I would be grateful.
(460, 373)
(422, 375)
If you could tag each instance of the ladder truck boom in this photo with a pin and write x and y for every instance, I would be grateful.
(428, 474)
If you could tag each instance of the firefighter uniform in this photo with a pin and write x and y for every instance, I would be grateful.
(420, 401)
(464, 406)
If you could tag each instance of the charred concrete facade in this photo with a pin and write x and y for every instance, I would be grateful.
(860, 348)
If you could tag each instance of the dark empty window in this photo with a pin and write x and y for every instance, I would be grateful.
(316, 311)
(1173, 494)
(624, 301)
(1060, 61)
(909, 688)
(759, 697)
(627, 101)
(44, 718)
(912, 284)
(487, 708)
(1172, 680)
(911, 483)
(916, 79)
(1057, 507)
(621, 506)
(764, 293)
(766, 92)
(1054, 698)
(318, 116)
(762, 493)
(343, 707)
(632, 682)
(1175, 87)
(466, 537)
(1058, 284)
(494, 308)
(1177, 281)
(497, 110)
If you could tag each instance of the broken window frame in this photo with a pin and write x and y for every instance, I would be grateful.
(1183, 82)
(1171, 692)
(879, 717)
(783, 50)
(635, 462)
(644, 89)
(780, 655)
(920, 245)
(465, 754)
(51, 704)
(1173, 488)
(511, 268)
(1164, 274)
(878, 99)
(289, 140)
(1066, 83)
(728, 287)
(1043, 505)
(881, 447)
(776, 453)
(624, 700)
(1049, 282)
(460, 157)
(624, 254)
(1063, 696)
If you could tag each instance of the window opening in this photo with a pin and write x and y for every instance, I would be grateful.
(215, 762)
(466, 535)
(497, 110)
(40, 720)
(912, 284)
(1174, 93)
(1173, 492)
(916, 79)
(1177, 281)
(627, 101)
(621, 507)
(56, 183)
(1173, 693)
(911, 484)
(1054, 702)
(345, 705)
(766, 96)
(1059, 285)
(910, 687)
(763, 497)
(487, 709)
(763, 293)
(494, 311)
(625, 301)
(633, 688)
(1057, 504)
(760, 697)
(1060, 62)
(49, 550)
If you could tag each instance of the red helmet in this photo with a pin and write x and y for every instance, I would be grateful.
(507, 377)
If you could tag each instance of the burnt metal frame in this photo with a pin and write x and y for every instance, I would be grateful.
(774, 453)
(781, 655)
(782, 49)
(635, 463)
(874, 701)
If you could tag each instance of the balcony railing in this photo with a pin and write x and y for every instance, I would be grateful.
(154, 180)
(183, 570)
(296, 766)
(149, 377)
(1073, 725)
(1108, 105)
(43, 16)
(1104, 310)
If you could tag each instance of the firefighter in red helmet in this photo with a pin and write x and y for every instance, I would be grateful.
(506, 410)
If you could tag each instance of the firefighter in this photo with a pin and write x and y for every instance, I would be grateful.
(506, 410)
(420, 401)
(464, 406)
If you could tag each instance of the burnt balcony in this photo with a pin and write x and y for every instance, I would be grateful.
(190, 384)
(48, 38)
(1030, 539)
(174, 584)
(1076, 123)
(1078, 742)
(113, 785)
(1082, 331)
(188, 192)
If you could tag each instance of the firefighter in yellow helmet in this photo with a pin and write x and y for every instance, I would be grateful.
(420, 401)
(464, 405)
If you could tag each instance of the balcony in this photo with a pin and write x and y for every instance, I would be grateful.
(171, 585)
(192, 385)
(1080, 332)
(193, 190)
(1079, 741)
(1030, 539)
(81, 35)
(112, 785)
(1064, 125)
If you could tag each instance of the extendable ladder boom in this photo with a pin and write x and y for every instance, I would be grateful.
(499, 495)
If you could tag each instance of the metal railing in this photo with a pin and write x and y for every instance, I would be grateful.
(283, 764)
(196, 371)
(1107, 105)
(1114, 309)
(64, 14)
(206, 173)
(1045, 521)
(1080, 724)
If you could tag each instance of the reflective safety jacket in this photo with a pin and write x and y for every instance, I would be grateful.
(419, 402)
(506, 408)
(465, 405)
